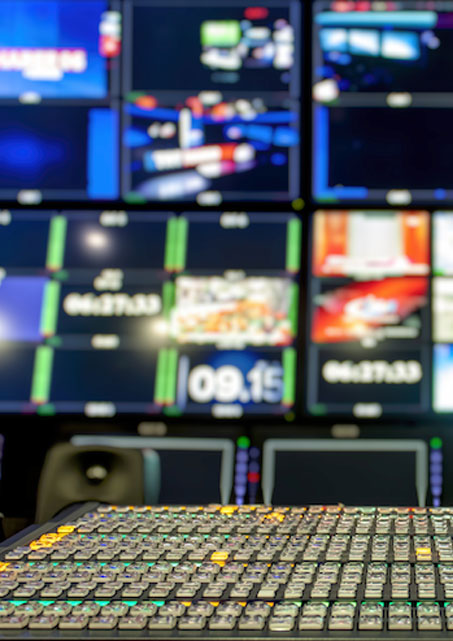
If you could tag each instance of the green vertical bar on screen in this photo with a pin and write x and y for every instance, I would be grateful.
(161, 372)
(289, 376)
(293, 245)
(293, 307)
(56, 244)
(42, 375)
(181, 244)
(170, 244)
(168, 299)
(49, 309)
(172, 374)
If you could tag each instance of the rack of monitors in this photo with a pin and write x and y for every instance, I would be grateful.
(125, 123)
(144, 102)
(226, 314)
(105, 313)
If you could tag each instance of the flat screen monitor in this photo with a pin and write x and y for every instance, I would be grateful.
(382, 101)
(59, 110)
(105, 313)
(380, 313)
(211, 100)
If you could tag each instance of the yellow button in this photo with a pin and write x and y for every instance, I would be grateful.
(423, 551)
(228, 509)
(219, 556)
(66, 529)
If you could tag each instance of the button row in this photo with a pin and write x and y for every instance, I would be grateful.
(279, 617)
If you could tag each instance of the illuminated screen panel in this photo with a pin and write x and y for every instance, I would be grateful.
(380, 74)
(443, 243)
(235, 314)
(57, 48)
(107, 316)
(224, 124)
(369, 306)
(443, 378)
(205, 46)
(442, 311)
(59, 100)
(402, 46)
(57, 153)
(385, 161)
(371, 243)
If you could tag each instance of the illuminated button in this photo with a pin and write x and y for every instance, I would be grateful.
(281, 623)
(370, 622)
(429, 623)
(341, 623)
(60, 609)
(44, 622)
(222, 622)
(174, 608)
(203, 607)
(6, 608)
(137, 622)
(251, 622)
(228, 509)
(196, 622)
(108, 622)
(147, 608)
(311, 622)
(400, 622)
(29, 609)
(116, 608)
(219, 556)
(230, 608)
(162, 622)
(14, 622)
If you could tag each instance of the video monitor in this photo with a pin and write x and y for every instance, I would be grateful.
(381, 99)
(443, 243)
(50, 152)
(59, 100)
(216, 118)
(387, 309)
(237, 240)
(253, 46)
(371, 243)
(241, 148)
(443, 378)
(57, 49)
(369, 309)
(108, 318)
(404, 46)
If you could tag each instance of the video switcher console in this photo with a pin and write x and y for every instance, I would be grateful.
(229, 572)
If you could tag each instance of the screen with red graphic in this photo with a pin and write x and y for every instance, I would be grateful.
(369, 319)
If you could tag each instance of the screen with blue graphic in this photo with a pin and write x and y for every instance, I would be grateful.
(58, 153)
(59, 100)
(54, 49)
(212, 101)
(113, 315)
(382, 96)
(243, 149)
